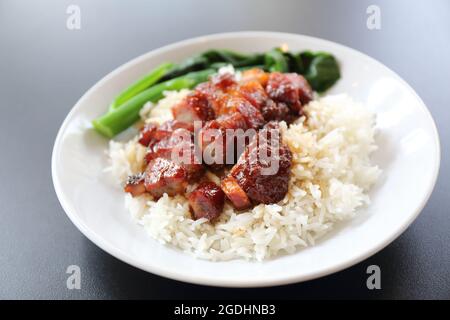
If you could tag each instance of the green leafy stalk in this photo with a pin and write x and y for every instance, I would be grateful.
(258, 66)
(119, 119)
(223, 55)
(275, 61)
(214, 58)
(237, 59)
(294, 61)
(140, 85)
(321, 70)
(194, 63)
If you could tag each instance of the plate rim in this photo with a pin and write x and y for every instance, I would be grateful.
(185, 277)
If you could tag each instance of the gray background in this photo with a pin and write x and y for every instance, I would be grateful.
(45, 68)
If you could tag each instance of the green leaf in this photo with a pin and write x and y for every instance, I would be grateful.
(295, 63)
(194, 63)
(321, 70)
(274, 60)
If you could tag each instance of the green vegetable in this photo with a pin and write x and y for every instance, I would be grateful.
(258, 66)
(236, 59)
(321, 70)
(214, 58)
(223, 55)
(294, 61)
(195, 63)
(119, 119)
(274, 60)
(306, 57)
(250, 61)
(141, 85)
(218, 65)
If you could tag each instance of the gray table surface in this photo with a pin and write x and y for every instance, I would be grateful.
(45, 68)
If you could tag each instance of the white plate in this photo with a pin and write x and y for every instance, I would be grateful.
(408, 155)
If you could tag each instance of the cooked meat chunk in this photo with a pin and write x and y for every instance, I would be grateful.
(290, 88)
(273, 111)
(219, 147)
(135, 185)
(255, 74)
(194, 107)
(178, 147)
(213, 94)
(267, 189)
(180, 138)
(168, 127)
(146, 136)
(263, 170)
(236, 104)
(223, 81)
(254, 92)
(229, 121)
(152, 132)
(165, 176)
(235, 193)
(161, 176)
(204, 102)
(206, 201)
(226, 96)
(253, 117)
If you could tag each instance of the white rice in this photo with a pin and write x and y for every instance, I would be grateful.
(331, 175)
